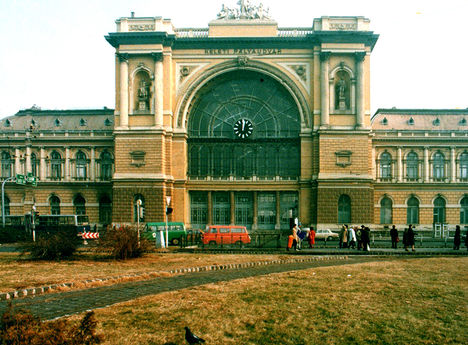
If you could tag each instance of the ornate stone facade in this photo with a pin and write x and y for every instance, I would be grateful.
(244, 123)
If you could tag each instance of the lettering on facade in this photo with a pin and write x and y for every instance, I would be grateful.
(343, 26)
(141, 27)
(243, 51)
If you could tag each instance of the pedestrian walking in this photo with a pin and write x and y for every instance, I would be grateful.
(352, 237)
(457, 238)
(344, 236)
(295, 238)
(359, 237)
(394, 236)
(408, 238)
(311, 237)
(365, 239)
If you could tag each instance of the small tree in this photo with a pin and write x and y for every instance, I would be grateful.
(122, 243)
(56, 246)
(20, 327)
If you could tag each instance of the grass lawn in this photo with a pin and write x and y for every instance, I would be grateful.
(405, 301)
(20, 273)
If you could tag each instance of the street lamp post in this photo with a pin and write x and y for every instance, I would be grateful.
(138, 220)
(3, 197)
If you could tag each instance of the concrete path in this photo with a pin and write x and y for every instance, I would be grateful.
(54, 305)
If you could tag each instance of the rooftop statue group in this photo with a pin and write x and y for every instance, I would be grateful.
(245, 11)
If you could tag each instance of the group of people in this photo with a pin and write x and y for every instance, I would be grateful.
(408, 237)
(298, 235)
(355, 237)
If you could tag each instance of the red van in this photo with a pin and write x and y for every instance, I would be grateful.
(226, 234)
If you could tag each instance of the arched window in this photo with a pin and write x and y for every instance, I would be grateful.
(7, 206)
(105, 209)
(55, 166)
(135, 208)
(412, 163)
(54, 205)
(439, 210)
(81, 163)
(6, 165)
(386, 206)
(438, 166)
(34, 164)
(106, 166)
(464, 210)
(463, 162)
(344, 209)
(385, 166)
(412, 211)
(79, 204)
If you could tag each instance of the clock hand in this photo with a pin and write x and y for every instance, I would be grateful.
(243, 124)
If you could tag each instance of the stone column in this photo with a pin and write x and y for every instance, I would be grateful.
(92, 167)
(67, 164)
(426, 164)
(324, 89)
(17, 161)
(233, 208)
(453, 167)
(42, 169)
(210, 209)
(399, 166)
(360, 101)
(158, 89)
(28, 159)
(123, 58)
(255, 211)
(278, 211)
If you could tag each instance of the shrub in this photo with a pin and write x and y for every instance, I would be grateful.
(20, 327)
(122, 243)
(56, 246)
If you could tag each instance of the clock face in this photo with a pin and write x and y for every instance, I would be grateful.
(243, 128)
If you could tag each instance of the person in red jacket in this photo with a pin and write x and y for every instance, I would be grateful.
(311, 237)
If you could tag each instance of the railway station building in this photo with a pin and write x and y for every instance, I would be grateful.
(245, 123)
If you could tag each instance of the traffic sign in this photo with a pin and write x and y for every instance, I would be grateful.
(31, 179)
(20, 179)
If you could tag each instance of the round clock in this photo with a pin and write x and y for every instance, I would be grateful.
(243, 128)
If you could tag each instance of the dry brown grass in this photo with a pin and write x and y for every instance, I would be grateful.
(408, 301)
(20, 273)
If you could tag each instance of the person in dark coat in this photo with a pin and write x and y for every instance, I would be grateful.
(365, 238)
(408, 238)
(457, 238)
(394, 236)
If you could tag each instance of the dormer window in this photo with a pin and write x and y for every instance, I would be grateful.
(411, 121)
(83, 122)
(436, 122)
(462, 122)
(58, 123)
(7, 123)
(384, 121)
(107, 122)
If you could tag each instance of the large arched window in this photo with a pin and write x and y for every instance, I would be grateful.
(463, 163)
(106, 166)
(438, 166)
(55, 166)
(412, 211)
(233, 118)
(6, 165)
(439, 210)
(412, 163)
(386, 206)
(54, 205)
(105, 209)
(344, 209)
(385, 166)
(79, 204)
(6, 208)
(464, 210)
(138, 198)
(81, 163)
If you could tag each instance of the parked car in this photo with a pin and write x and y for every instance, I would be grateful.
(226, 234)
(326, 234)
(175, 231)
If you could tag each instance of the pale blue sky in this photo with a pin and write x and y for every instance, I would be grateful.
(53, 52)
